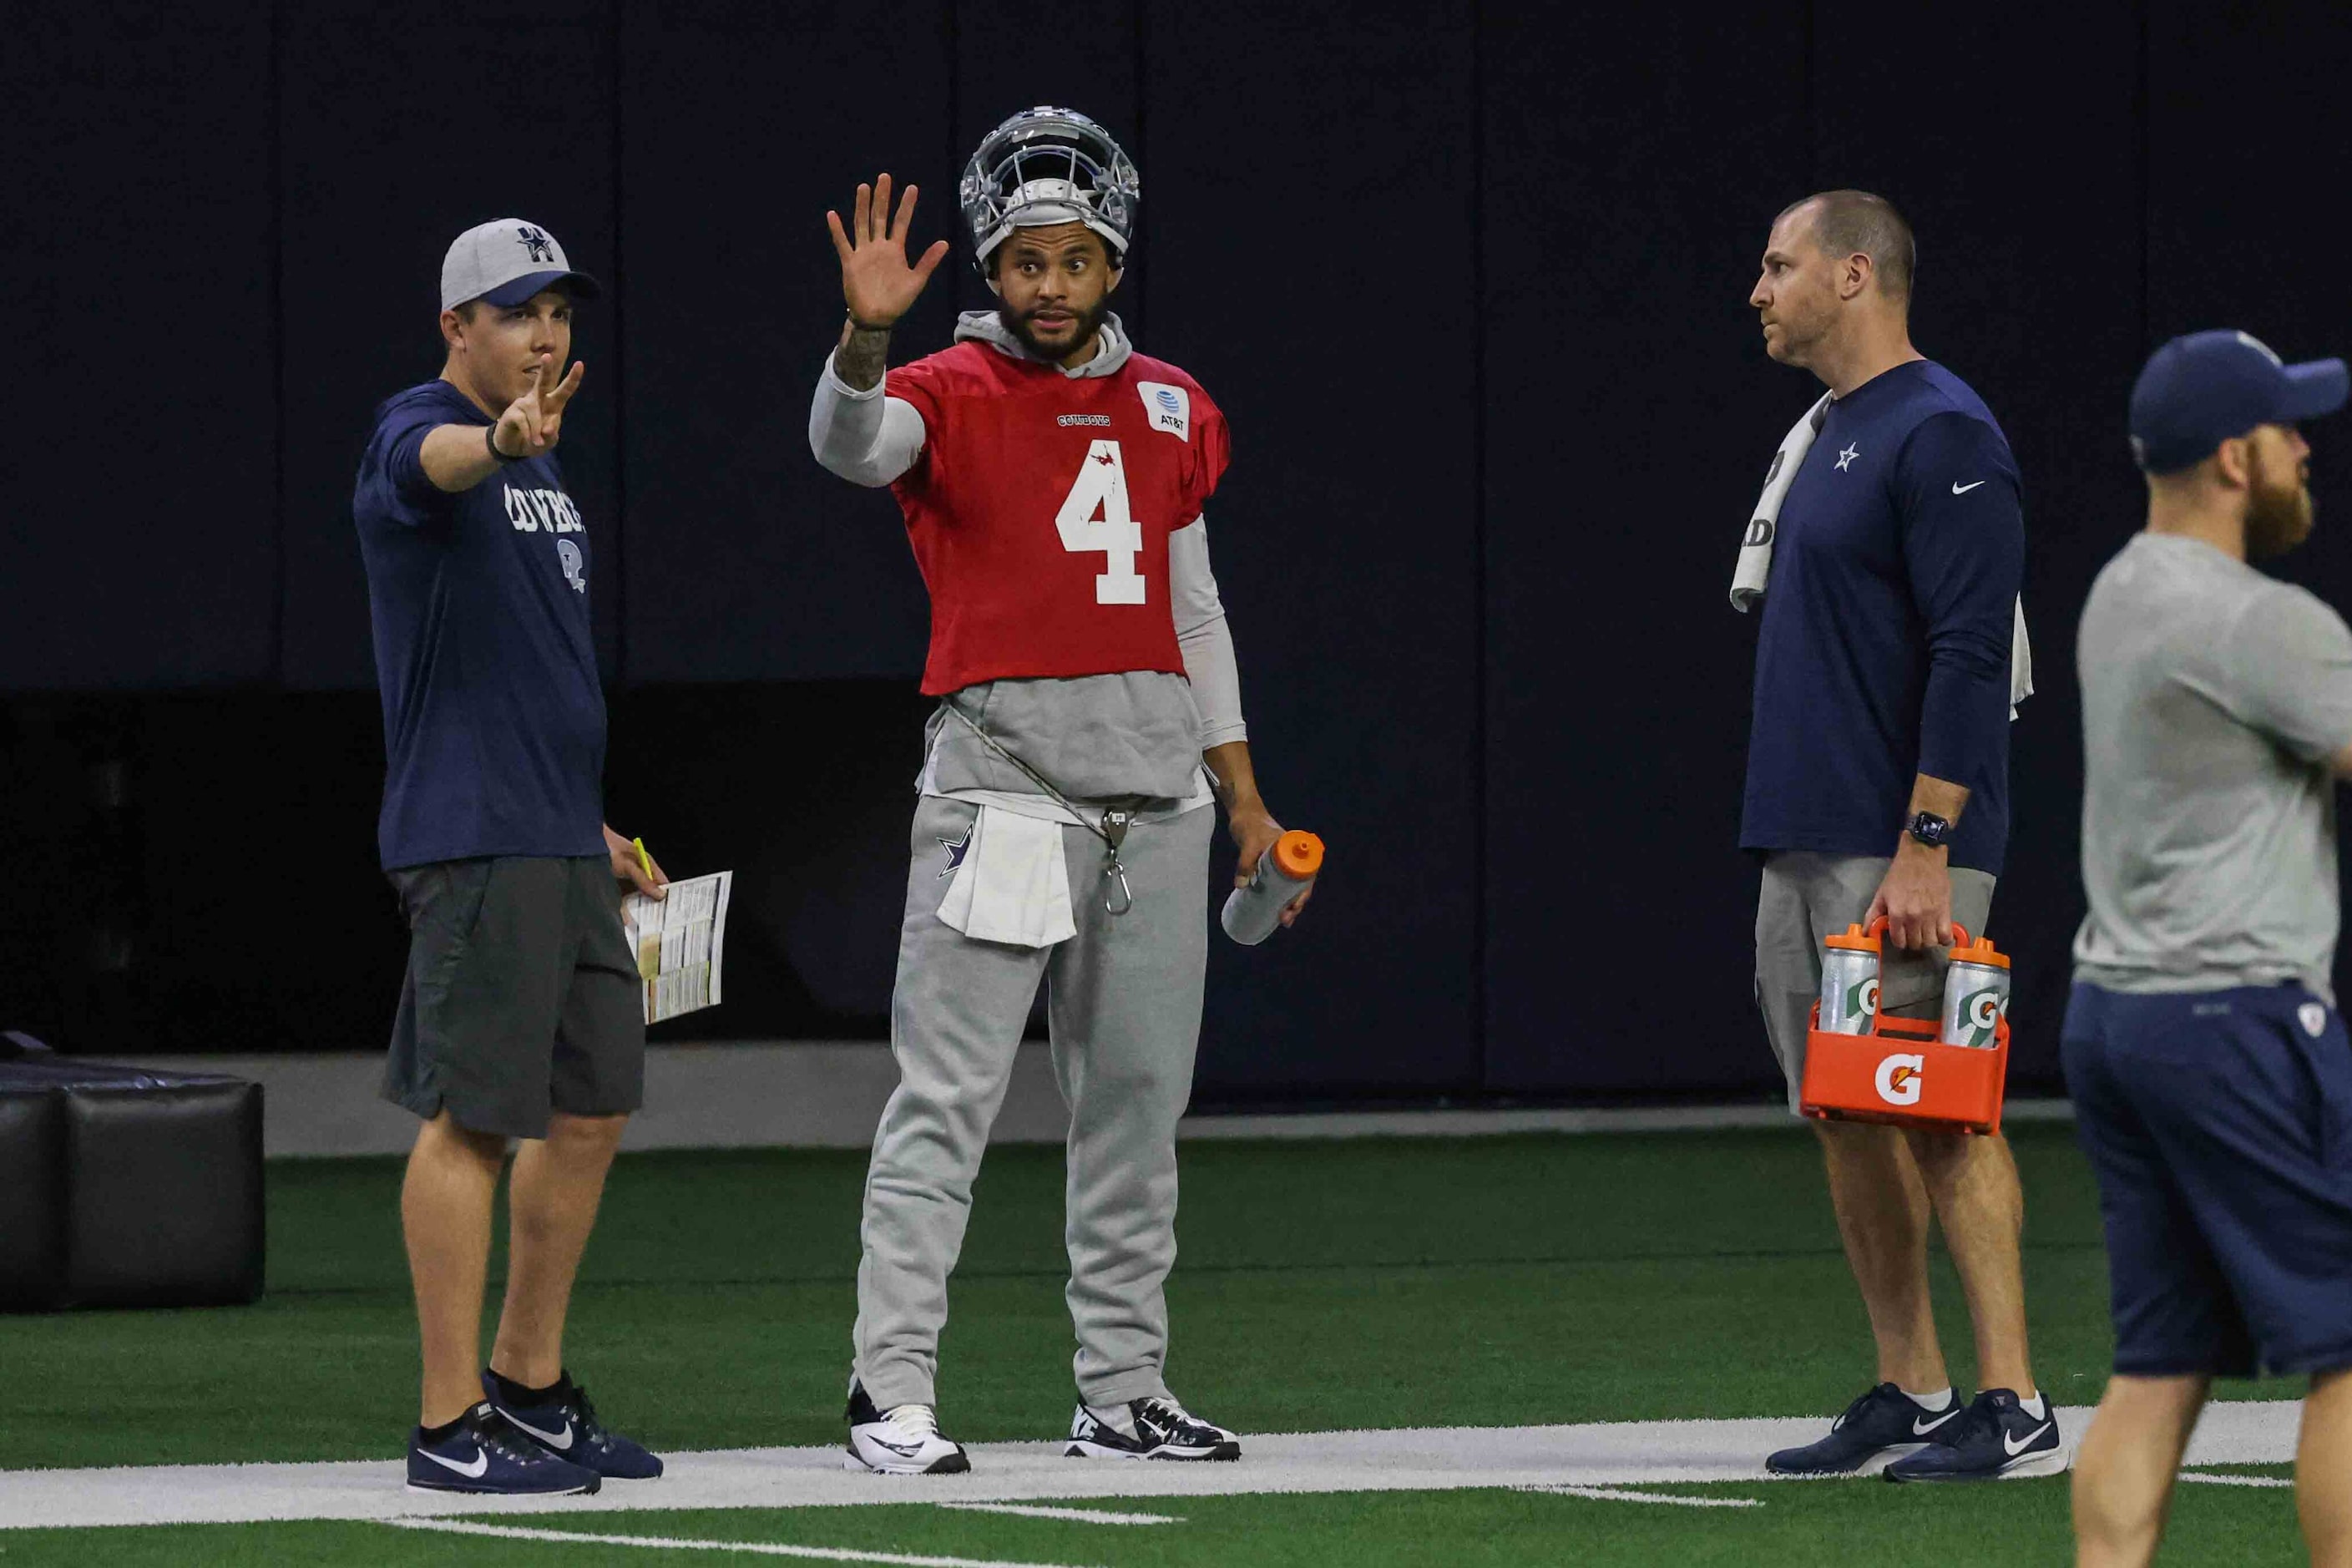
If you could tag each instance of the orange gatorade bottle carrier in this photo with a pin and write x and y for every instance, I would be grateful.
(1900, 1070)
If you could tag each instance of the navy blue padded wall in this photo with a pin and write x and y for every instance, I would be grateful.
(1634, 162)
(1311, 266)
(744, 123)
(136, 263)
(399, 129)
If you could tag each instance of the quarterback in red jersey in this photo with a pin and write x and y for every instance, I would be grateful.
(1053, 482)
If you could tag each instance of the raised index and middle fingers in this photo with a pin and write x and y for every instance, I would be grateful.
(556, 396)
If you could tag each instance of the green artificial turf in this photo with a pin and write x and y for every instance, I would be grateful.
(1478, 1282)
(1367, 1283)
(1806, 1523)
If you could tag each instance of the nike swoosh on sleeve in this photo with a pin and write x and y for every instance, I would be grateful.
(1961, 489)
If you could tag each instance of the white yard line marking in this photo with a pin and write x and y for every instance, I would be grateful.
(1618, 1494)
(1597, 1454)
(2237, 1480)
(1088, 1515)
(689, 1543)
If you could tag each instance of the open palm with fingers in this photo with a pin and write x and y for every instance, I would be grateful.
(876, 277)
(534, 422)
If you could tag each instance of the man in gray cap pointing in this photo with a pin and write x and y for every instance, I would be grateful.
(520, 1016)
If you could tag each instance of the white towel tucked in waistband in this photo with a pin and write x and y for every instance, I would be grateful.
(1755, 568)
(1014, 885)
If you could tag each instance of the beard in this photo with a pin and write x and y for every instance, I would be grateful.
(1022, 327)
(2278, 516)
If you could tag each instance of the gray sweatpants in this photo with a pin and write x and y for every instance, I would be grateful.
(1808, 896)
(1124, 1012)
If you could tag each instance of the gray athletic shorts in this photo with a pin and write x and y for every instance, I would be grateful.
(1807, 897)
(520, 997)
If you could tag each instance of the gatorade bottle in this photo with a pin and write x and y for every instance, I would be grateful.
(1975, 995)
(1849, 981)
(1287, 871)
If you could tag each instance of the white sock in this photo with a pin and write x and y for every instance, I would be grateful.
(2034, 1407)
(1932, 1402)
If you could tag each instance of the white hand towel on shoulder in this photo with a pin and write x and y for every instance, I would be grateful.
(1755, 566)
(1014, 886)
(1754, 569)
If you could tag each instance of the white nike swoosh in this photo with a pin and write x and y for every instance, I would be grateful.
(2016, 1447)
(1920, 1426)
(553, 1439)
(472, 1472)
(1959, 489)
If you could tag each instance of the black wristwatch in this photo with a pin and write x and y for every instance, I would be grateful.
(1929, 829)
(490, 439)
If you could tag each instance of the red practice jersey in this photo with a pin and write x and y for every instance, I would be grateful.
(1040, 510)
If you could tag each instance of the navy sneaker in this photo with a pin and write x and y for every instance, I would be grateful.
(1883, 1423)
(1147, 1429)
(565, 1426)
(1998, 1440)
(486, 1455)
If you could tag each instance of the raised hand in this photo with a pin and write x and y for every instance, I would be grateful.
(533, 423)
(876, 278)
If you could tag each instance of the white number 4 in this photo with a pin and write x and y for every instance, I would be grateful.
(1095, 516)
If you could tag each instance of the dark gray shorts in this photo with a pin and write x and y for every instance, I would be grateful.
(520, 997)
(1808, 896)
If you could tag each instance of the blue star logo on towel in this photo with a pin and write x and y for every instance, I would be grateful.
(955, 849)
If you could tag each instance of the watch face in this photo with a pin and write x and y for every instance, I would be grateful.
(1929, 828)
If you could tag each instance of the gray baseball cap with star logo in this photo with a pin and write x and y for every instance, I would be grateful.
(505, 262)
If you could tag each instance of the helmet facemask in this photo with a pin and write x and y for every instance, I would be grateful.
(1047, 166)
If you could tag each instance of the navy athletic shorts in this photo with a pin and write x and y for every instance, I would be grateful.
(2219, 1124)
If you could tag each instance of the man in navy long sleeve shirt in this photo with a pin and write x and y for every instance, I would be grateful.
(1878, 786)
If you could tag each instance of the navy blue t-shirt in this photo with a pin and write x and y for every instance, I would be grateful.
(1884, 649)
(493, 717)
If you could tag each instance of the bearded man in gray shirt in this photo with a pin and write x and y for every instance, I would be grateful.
(2211, 1074)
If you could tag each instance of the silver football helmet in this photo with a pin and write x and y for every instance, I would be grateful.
(1047, 165)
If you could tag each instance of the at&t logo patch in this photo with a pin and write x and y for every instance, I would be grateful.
(1899, 1078)
(1170, 408)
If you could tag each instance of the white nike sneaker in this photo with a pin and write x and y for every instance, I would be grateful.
(903, 1440)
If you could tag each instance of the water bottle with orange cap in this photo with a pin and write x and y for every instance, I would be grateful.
(1284, 872)
(1975, 995)
(1850, 980)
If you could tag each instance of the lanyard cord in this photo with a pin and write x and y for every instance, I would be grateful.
(1118, 898)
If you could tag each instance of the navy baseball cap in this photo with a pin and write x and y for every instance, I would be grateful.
(2201, 390)
(505, 262)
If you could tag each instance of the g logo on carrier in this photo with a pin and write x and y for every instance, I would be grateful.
(1899, 1078)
